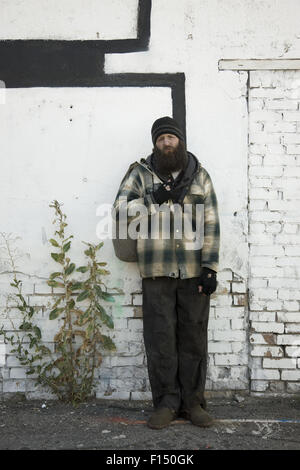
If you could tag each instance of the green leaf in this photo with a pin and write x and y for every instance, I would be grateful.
(107, 320)
(84, 317)
(58, 257)
(53, 275)
(108, 343)
(99, 291)
(107, 297)
(102, 264)
(54, 242)
(71, 303)
(70, 269)
(76, 286)
(100, 308)
(88, 252)
(55, 313)
(84, 295)
(37, 332)
(20, 296)
(21, 308)
(15, 283)
(55, 284)
(103, 271)
(25, 326)
(82, 269)
(68, 238)
(57, 302)
(90, 331)
(32, 342)
(31, 312)
(66, 247)
(45, 350)
(99, 246)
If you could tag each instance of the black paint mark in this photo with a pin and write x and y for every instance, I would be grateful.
(175, 81)
(52, 63)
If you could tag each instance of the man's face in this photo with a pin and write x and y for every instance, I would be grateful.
(169, 154)
(167, 143)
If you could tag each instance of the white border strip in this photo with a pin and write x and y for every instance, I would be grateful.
(259, 64)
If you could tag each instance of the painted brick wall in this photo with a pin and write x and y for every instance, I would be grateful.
(251, 346)
(253, 341)
(274, 236)
(123, 374)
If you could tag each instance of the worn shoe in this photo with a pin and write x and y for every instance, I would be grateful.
(161, 418)
(199, 417)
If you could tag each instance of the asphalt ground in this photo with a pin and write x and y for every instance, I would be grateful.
(115, 426)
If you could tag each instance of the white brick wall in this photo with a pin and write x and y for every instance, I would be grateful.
(274, 222)
(227, 347)
(253, 337)
(123, 374)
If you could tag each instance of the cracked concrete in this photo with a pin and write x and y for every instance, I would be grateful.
(241, 423)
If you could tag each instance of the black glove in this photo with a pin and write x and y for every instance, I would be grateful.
(165, 192)
(162, 194)
(208, 281)
(175, 193)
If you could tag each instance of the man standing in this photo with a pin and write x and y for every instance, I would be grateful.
(178, 275)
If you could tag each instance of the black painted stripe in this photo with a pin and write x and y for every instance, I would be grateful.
(37, 62)
(56, 63)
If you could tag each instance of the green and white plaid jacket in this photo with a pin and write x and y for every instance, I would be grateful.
(173, 256)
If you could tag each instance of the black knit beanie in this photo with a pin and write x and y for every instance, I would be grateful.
(166, 125)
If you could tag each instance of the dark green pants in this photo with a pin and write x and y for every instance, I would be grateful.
(175, 319)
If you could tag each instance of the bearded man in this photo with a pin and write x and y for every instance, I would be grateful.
(178, 276)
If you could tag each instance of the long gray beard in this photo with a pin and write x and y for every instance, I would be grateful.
(175, 161)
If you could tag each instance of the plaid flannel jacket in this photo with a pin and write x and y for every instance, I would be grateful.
(177, 255)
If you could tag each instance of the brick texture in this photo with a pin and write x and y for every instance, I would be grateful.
(274, 221)
(254, 326)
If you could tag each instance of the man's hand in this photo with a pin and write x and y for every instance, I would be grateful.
(165, 192)
(208, 281)
(162, 194)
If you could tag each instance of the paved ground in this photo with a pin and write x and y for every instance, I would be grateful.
(242, 423)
